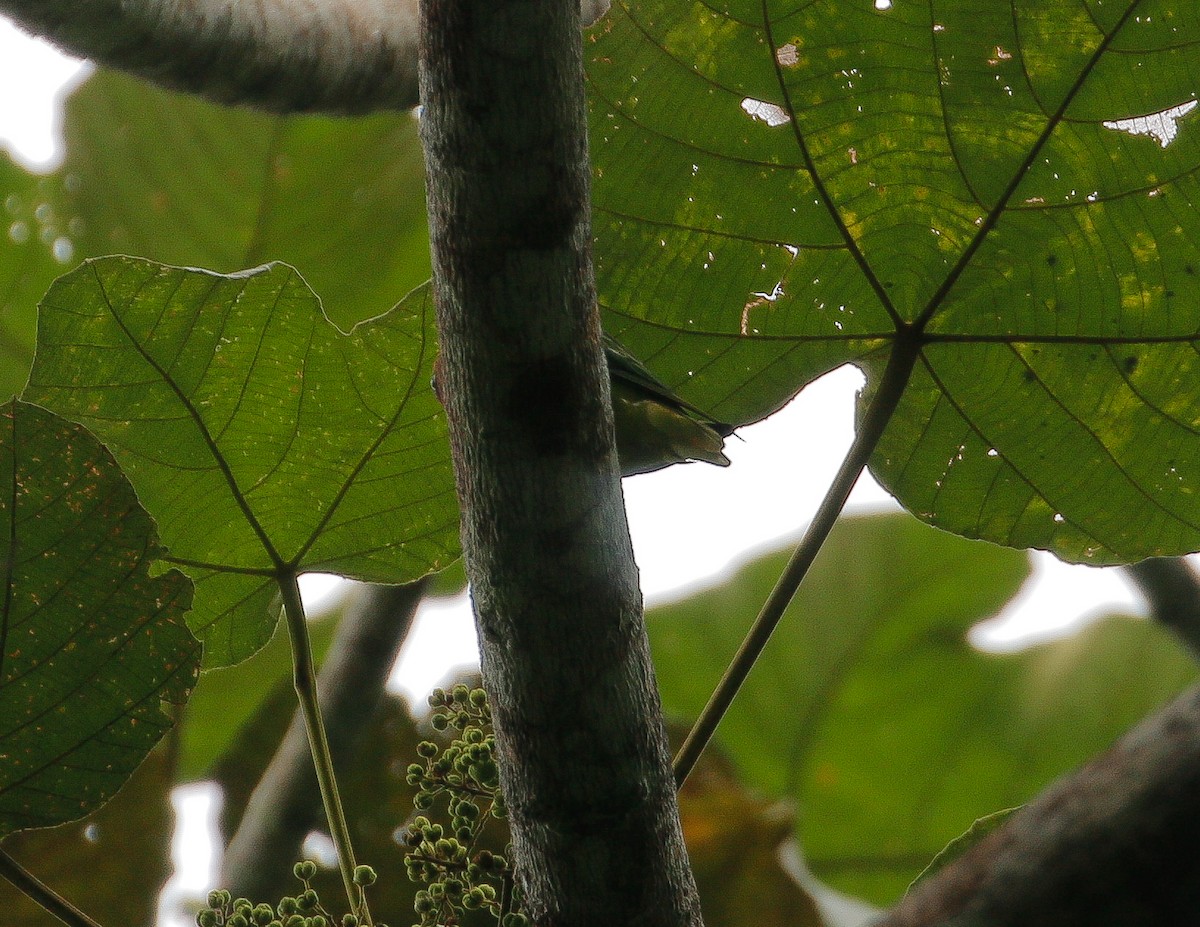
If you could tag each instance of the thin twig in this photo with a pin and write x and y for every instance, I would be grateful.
(43, 894)
(879, 412)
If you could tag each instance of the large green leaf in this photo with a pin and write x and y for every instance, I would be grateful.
(786, 186)
(261, 438)
(179, 180)
(870, 708)
(91, 646)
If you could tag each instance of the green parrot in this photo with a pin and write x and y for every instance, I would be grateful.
(655, 428)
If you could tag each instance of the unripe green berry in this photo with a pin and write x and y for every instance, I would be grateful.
(207, 918)
(305, 870)
(349, 920)
(460, 693)
(423, 801)
(486, 772)
(262, 915)
(440, 721)
(364, 876)
(437, 697)
(243, 906)
(473, 900)
(307, 900)
(238, 919)
(478, 698)
(319, 920)
(286, 906)
(427, 749)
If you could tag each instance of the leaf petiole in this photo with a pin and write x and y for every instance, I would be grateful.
(905, 351)
(305, 681)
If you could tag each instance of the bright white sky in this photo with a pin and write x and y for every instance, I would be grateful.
(690, 524)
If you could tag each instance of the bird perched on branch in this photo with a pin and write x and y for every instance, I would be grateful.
(655, 427)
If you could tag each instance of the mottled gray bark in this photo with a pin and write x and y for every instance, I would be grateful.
(585, 767)
(286, 804)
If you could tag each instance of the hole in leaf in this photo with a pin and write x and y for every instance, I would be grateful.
(769, 113)
(1162, 126)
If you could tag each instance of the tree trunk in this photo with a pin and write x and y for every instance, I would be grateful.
(585, 768)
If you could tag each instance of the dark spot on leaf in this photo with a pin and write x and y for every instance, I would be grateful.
(1051, 260)
(1131, 363)
(1189, 270)
(1029, 375)
(1170, 294)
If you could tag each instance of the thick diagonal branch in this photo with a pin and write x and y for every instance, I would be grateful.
(347, 56)
(288, 56)
(1115, 844)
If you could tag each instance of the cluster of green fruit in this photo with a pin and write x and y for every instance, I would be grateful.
(302, 910)
(456, 877)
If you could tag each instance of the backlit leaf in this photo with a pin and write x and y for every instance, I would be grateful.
(261, 438)
(92, 647)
